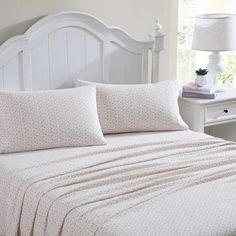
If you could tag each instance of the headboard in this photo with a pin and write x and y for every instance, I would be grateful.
(68, 45)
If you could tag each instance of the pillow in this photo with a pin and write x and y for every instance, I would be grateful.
(49, 119)
(140, 107)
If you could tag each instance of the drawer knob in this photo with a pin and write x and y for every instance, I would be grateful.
(226, 111)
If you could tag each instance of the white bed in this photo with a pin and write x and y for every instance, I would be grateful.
(153, 183)
(166, 183)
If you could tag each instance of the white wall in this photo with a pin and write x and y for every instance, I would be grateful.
(17, 15)
(135, 16)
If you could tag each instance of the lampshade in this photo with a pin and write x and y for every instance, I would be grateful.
(215, 32)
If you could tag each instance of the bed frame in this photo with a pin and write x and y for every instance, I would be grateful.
(62, 47)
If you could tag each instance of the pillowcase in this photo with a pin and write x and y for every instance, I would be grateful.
(49, 119)
(140, 107)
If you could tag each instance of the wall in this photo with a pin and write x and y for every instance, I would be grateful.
(17, 15)
(137, 17)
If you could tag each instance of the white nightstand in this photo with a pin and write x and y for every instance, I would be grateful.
(201, 113)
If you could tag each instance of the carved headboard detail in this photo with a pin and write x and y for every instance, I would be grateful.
(68, 45)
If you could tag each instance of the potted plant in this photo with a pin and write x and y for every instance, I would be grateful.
(201, 79)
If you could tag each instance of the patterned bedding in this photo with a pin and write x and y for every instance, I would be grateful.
(170, 183)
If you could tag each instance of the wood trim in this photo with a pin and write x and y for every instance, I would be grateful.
(106, 35)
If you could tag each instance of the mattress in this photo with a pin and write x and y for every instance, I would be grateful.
(160, 183)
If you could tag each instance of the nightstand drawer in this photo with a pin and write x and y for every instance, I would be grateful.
(201, 113)
(220, 112)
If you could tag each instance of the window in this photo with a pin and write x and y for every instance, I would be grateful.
(187, 59)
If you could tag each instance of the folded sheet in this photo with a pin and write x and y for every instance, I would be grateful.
(143, 187)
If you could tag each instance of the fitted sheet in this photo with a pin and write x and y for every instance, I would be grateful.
(161, 183)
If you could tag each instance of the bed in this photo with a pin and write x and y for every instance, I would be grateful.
(145, 183)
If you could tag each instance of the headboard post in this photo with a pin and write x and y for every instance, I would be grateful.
(158, 46)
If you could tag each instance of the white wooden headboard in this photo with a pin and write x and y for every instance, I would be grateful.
(68, 45)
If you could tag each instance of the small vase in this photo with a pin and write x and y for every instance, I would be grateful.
(201, 80)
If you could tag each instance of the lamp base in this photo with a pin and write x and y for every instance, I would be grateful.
(214, 67)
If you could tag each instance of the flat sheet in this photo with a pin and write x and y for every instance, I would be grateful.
(170, 183)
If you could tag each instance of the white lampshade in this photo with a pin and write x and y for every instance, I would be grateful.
(215, 32)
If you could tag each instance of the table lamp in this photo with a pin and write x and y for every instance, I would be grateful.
(215, 33)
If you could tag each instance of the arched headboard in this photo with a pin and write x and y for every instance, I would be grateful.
(68, 45)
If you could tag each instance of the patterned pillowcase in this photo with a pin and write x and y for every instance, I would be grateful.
(142, 107)
(49, 119)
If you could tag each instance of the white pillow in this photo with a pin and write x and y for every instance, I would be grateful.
(140, 107)
(49, 119)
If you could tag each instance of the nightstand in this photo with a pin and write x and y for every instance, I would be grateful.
(202, 113)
